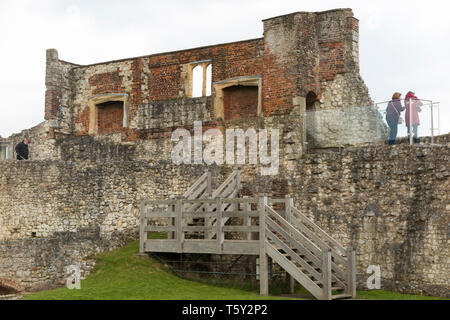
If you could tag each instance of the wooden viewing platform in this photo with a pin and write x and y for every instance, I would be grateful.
(225, 224)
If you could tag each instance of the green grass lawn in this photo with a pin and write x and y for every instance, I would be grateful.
(387, 295)
(122, 274)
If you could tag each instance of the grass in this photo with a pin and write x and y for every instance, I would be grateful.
(372, 295)
(387, 295)
(123, 275)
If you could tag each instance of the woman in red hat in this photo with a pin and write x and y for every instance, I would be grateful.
(414, 108)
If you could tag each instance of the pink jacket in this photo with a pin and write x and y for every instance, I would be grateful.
(415, 103)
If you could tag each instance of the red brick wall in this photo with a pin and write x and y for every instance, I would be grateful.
(136, 97)
(278, 86)
(240, 102)
(164, 82)
(164, 79)
(280, 65)
(228, 61)
(331, 60)
(110, 117)
(106, 82)
(83, 119)
(51, 103)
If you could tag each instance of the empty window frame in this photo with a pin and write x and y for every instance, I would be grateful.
(200, 79)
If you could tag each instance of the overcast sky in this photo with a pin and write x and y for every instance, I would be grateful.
(403, 44)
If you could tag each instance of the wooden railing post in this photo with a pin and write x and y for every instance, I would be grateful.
(209, 184)
(208, 206)
(179, 220)
(351, 272)
(289, 204)
(142, 233)
(172, 221)
(263, 260)
(219, 233)
(247, 220)
(326, 272)
(238, 182)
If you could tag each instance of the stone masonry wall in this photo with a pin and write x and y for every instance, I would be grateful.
(41, 146)
(390, 203)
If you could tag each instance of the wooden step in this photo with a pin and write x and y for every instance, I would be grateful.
(337, 288)
(341, 296)
(288, 256)
(320, 284)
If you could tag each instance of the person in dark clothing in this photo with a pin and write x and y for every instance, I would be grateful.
(393, 111)
(22, 150)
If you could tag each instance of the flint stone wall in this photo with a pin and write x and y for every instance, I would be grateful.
(390, 203)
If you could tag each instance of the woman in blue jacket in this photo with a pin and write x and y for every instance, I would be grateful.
(393, 112)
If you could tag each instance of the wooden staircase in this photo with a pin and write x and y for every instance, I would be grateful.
(200, 220)
(310, 256)
(201, 189)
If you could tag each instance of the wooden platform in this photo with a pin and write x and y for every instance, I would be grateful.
(240, 247)
(206, 222)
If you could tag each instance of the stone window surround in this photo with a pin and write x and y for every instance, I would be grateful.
(190, 73)
(5, 152)
(252, 81)
(102, 98)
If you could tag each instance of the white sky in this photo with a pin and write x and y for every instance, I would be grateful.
(404, 45)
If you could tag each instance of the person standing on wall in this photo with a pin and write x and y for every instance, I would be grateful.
(415, 109)
(22, 150)
(393, 117)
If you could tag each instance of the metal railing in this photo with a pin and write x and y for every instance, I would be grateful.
(428, 113)
(331, 127)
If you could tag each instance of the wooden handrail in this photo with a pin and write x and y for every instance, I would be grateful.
(219, 190)
(308, 250)
(191, 189)
(292, 229)
(270, 235)
(319, 230)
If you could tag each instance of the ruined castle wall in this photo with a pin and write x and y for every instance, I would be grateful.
(339, 127)
(342, 115)
(390, 203)
(58, 94)
(150, 80)
(41, 263)
(300, 53)
(40, 147)
(43, 196)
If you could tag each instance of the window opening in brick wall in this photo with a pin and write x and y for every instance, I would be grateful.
(197, 81)
(311, 100)
(110, 117)
(240, 102)
(208, 80)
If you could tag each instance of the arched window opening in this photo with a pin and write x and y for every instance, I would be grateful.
(311, 100)
(197, 81)
(208, 79)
